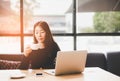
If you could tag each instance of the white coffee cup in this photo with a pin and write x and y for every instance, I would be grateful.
(34, 46)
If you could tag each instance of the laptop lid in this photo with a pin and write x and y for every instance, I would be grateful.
(68, 62)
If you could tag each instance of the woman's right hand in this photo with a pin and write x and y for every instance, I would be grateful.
(27, 51)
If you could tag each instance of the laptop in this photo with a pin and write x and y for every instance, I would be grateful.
(69, 62)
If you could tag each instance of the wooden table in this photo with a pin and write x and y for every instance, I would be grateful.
(90, 74)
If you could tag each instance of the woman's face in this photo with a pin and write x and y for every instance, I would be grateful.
(40, 34)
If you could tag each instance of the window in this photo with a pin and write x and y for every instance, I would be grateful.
(55, 14)
(98, 25)
(23, 14)
(9, 26)
(75, 24)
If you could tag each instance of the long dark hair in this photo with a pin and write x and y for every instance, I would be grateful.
(49, 38)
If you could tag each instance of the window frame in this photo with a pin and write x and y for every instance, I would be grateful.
(74, 34)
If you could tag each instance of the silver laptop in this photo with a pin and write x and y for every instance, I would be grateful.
(69, 62)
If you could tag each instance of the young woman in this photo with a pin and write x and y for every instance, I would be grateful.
(45, 54)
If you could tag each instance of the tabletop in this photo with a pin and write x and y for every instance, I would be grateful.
(89, 74)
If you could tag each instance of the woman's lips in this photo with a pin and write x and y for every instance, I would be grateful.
(40, 38)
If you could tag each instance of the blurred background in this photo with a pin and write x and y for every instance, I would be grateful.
(92, 25)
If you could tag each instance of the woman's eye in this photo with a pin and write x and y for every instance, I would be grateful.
(42, 31)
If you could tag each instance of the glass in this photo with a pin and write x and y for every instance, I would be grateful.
(9, 25)
(98, 43)
(98, 16)
(98, 22)
(65, 43)
(9, 17)
(51, 11)
(10, 45)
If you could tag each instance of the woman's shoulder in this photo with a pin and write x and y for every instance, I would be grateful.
(56, 46)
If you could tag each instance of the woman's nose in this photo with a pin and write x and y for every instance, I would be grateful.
(39, 34)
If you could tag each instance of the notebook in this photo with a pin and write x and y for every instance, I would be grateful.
(69, 62)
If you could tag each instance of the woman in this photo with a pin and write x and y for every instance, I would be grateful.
(44, 56)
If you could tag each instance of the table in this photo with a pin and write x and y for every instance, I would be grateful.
(89, 74)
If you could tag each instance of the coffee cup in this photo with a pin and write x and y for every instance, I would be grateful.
(34, 46)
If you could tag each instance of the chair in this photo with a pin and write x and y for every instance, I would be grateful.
(10, 61)
(113, 62)
(96, 60)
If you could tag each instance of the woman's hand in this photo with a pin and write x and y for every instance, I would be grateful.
(27, 51)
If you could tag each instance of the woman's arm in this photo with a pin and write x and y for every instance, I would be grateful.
(55, 50)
